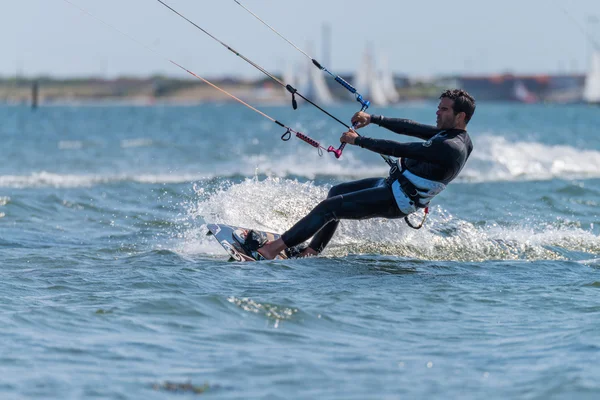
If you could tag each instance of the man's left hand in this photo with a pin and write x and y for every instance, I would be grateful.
(348, 137)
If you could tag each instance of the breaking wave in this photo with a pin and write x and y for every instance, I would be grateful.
(495, 159)
(275, 204)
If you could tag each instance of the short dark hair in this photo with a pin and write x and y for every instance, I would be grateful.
(463, 102)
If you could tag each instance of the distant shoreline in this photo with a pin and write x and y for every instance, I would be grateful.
(166, 90)
(130, 90)
(162, 90)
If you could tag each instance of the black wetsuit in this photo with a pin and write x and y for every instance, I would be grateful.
(439, 159)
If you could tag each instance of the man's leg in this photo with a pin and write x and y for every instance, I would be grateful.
(323, 236)
(371, 202)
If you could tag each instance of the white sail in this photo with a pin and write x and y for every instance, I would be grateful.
(591, 91)
(360, 80)
(387, 81)
(296, 76)
(311, 82)
(289, 77)
(318, 91)
(522, 94)
(367, 81)
(302, 79)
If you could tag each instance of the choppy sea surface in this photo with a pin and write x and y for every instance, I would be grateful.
(110, 289)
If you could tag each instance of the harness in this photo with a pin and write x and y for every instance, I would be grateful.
(411, 191)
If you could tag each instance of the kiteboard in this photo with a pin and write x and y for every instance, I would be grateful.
(233, 240)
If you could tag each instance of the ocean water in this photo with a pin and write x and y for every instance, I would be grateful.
(110, 289)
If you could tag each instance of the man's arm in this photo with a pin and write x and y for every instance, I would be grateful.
(433, 153)
(405, 127)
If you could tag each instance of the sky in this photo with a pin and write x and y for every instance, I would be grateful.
(419, 38)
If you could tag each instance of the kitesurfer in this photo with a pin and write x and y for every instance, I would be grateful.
(422, 171)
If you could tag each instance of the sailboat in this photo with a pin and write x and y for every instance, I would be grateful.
(289, 77)
(310, 81)
(387, 81)
(591, 90)
(367, 81)
(317, 89)
(522, 94)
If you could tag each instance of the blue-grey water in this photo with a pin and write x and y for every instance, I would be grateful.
(110, 289)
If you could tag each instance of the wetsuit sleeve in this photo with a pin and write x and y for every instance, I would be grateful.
(405, 127)
(434, 153)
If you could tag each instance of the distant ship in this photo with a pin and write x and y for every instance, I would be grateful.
(566, 88)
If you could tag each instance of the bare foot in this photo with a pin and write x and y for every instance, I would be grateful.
(264, 252)
(271, 249)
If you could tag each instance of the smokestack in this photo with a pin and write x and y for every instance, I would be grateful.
(326, 37)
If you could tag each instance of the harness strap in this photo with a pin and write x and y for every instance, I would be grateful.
(411, 192)
(422, 221)
(409, 189)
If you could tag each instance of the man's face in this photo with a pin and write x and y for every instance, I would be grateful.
(445, 114)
